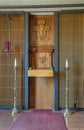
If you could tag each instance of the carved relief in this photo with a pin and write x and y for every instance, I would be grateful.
(41, 30)
(43, 60)
(41, 57)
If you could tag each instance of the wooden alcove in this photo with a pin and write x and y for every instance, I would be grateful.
(41, 50)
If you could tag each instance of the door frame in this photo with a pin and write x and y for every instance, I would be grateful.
(26, 62)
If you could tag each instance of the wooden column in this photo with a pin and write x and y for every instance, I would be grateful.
(56, 16)
(26, 31)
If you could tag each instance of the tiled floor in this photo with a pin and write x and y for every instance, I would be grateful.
(74, 121)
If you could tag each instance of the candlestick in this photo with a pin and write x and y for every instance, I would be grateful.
(67, 63)
(15, 111)
(67, 111)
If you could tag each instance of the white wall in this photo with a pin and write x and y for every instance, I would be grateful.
(39, 2)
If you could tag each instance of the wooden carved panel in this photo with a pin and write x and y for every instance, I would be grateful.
(41, 30)
(41, 57)
(44, 60)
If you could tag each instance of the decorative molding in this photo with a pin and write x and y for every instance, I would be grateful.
(41, 49)
(41, 6)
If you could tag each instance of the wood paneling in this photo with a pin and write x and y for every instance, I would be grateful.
(44, 93)
(71, 45)
(16, 27)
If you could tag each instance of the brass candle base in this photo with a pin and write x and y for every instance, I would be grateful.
(14, 112)
(67, 112)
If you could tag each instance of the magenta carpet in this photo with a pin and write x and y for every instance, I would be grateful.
(39, 119)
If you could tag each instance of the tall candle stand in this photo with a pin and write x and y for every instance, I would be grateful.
(15, 111)
(67, 111)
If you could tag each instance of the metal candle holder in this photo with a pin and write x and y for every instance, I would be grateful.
(67, 111)
(15, 111)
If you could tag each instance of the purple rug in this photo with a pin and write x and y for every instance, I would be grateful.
(39, 119)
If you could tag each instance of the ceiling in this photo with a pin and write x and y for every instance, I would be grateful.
(40, 5)
(38, 2)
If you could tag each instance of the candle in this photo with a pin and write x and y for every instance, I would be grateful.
(7, 46)
(15, 62)
(67, 63)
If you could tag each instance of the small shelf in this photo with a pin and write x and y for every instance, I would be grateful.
(40, 73)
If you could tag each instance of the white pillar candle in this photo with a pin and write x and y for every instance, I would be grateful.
(67, 63)
(15, 62)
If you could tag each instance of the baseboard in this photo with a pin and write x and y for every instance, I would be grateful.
(11, 107)
(22, 108)
(73, 109)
